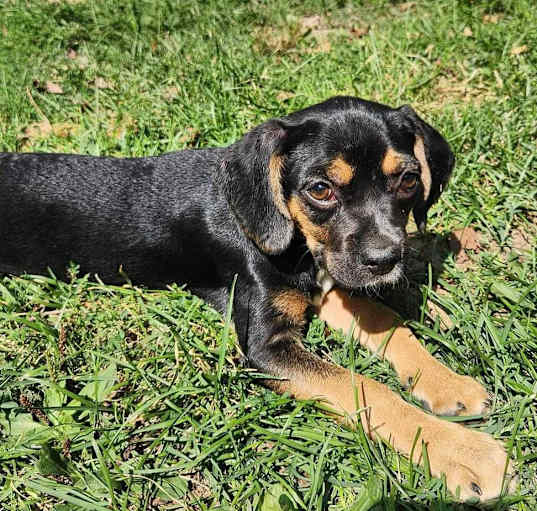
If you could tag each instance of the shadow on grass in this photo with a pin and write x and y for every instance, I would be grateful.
(372, 499)
(423, 250)
(390, 505)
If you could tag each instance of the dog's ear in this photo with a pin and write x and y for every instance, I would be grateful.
(436, 160)
(252, 177)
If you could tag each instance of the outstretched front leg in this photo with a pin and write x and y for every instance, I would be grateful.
(378, 328)
(471, 461)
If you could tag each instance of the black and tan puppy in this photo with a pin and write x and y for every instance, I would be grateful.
(317, 198)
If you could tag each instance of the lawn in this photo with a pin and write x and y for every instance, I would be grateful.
(135, 399)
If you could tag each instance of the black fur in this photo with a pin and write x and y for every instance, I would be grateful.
(201, 216)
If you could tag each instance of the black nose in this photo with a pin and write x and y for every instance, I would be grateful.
(382, 258)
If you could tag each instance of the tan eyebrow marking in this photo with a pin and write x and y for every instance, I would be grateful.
(391, 161)
(340, 171)
(426, 177)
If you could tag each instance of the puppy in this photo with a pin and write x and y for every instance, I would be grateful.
(300, 204)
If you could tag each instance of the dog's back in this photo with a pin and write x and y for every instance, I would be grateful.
(101, 212)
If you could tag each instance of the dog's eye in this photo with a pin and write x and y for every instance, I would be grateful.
(409, 182)
(321, 192)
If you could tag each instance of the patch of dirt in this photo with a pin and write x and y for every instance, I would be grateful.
(265, 446)
(406, 6)
(49, 86)
(284, 96)
(312, 21)
(170, 93)
(467, 32)
(277, 40)
(53, 88)
(119, 125)
(317, 28)
(199, 488)
(322, 29)
(359, 31)
(70, 2)
(519, 50)
(492, 18)
(44, 129)
(462, 243)
(190, 137)
(521, 241)
(101, 83)
(465, 239)
(523, 238)
(451, 89)
(82, 61)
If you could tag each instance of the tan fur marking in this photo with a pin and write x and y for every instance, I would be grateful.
(340, 171)
(315, 235)
(292, 304)
(391, 161)
(379, 329)
(426, 177)
(275, 178)
(464, 455)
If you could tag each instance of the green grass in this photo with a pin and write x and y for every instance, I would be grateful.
(124, 398)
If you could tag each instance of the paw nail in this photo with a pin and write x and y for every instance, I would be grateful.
(460, 406)
(476, 489)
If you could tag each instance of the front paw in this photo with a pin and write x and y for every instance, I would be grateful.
(473, 462)
(444, 392)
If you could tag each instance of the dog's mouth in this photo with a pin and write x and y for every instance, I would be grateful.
(331, 271)
(383, 276)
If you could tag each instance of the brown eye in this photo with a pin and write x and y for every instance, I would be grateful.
(321, 192)
(409, 182)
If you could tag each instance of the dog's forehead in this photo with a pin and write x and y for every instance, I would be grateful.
(361, 144)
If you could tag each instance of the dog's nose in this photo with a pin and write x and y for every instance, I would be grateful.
(382, 259)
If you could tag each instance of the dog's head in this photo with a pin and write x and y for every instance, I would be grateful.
(344, 174)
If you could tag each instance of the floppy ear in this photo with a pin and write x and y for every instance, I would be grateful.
(436, 160)
(251, 178)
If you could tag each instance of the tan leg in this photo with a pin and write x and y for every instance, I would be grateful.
(377, 327)
(471, 460)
